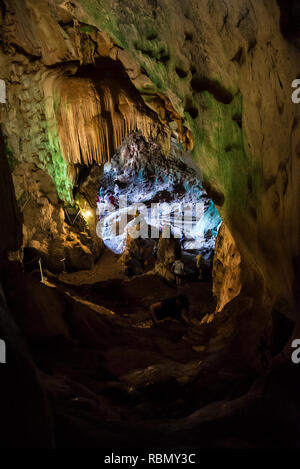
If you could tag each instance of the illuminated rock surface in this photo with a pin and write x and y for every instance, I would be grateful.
(215, 76)
(151, 193)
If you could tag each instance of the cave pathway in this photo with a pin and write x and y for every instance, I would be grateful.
(107, 268)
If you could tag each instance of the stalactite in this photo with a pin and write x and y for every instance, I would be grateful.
(93, 123)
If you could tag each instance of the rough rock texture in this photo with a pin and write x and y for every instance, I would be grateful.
(55, 79)
(46, 233)
(37, 309)
(168, 251)
(165, 192)
(224, 67)
(26, 422)
(11, 232)
(217, 75)
(227, 274)
(137, 256)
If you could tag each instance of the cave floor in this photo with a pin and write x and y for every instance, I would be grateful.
(116, 366)
(107, 268)
(115, 379)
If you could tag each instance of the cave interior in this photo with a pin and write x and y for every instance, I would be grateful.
(134, 136)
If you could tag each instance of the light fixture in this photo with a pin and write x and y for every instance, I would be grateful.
(86, 213)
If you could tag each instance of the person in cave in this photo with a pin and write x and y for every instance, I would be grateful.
(154, 253)
(200, 266)
(182, 238)
(116, 191)
(112, 200)
(178, 269)
(176, 307)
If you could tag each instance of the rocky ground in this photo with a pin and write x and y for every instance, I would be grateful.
(113, 378)
(102, 360)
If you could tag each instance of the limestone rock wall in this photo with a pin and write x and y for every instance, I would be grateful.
(222, 71)
(227, 272)
(26, 422)
(11, 222)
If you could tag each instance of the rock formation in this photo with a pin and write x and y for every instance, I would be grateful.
(223, 76)
(227, 280)
(26, 423)
(217, 77)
